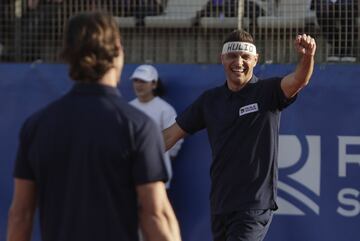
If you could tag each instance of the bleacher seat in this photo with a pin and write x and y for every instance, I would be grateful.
(230, 22)
(223, 22)
(177, 14)
(289, 14)
(126, 22)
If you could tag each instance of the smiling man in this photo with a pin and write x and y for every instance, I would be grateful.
(242, 121)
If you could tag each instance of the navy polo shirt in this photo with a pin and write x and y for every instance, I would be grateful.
(243, 132)
(86, 152)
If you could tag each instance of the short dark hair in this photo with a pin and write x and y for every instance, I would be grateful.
(160, 88)
(239, 35)
(91, 42)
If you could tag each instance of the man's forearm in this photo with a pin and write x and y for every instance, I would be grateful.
(157, 218)
(169, 143)
(159, 228)
(171, 135)
(173, 222)
(19, 226)
(306, 47)
(297, 80)
(304, 70)
(161, 225)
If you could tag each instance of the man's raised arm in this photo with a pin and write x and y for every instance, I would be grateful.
(291, 84)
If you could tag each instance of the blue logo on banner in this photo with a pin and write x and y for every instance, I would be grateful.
(299, 175)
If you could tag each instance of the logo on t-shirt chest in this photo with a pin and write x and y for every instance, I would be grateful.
(248, 109)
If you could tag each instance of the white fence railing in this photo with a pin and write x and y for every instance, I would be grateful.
(186, 31)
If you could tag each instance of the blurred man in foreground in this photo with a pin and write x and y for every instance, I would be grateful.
(90, 162)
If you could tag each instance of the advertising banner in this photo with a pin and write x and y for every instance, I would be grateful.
(319, 146)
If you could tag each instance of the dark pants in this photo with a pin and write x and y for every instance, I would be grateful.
(247, 225)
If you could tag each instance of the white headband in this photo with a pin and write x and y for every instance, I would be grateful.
(239, 46)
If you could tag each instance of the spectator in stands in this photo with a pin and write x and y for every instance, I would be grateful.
(151, 7)
(149, 89)
(337, 19)
(7, 20)
(2, 26)
(44, 19)
(42, 27)
(92, 163)
(141, 8)
(242, 121)
(145, 8)
(229, 8)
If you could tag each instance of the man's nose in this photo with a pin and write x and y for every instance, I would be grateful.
(239, 59)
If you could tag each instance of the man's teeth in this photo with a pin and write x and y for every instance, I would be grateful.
(240, 70)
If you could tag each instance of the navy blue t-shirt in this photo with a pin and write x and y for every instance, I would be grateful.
(243, 132)
(86, 152)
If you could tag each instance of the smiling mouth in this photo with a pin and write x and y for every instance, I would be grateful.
(238, 70)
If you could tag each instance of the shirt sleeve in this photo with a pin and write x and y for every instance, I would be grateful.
(168, 118)
(23, 168)
(279, 100)
(149, 165)
(192, 119)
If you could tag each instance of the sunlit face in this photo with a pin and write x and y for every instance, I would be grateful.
(144, 89)
(238, 67)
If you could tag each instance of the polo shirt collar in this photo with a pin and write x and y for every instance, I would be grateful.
(95, 88)
(230, 93)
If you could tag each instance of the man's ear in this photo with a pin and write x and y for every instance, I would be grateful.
(256, 59)
(221, 57)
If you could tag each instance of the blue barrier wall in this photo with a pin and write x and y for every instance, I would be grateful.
(319, 157)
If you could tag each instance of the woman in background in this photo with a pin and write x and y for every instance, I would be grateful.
(149, 89)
